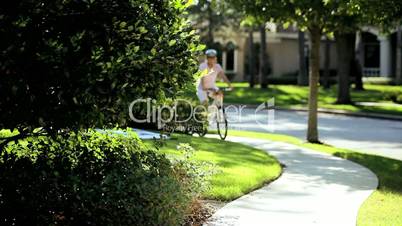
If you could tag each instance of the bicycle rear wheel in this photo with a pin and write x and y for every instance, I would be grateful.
(222, 123)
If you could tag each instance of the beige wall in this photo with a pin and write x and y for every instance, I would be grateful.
(282, 52)
(283, 56)
(240, 61)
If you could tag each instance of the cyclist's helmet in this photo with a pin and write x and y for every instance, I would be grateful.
(211, 53)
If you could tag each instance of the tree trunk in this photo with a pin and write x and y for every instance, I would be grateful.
(327, 61)
(302, 79)
(357, 71)
(398, 77)
(263, 58)
(358, 66)
(251, 59)
(210, 40)
(345, 48)
(314, 76)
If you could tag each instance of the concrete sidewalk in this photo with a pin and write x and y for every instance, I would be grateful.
(314, 189)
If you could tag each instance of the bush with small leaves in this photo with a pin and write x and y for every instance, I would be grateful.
(91, 178)
(71, 64)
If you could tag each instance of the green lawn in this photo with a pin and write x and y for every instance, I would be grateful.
(383, 207)
(296, 96)
(240, 168)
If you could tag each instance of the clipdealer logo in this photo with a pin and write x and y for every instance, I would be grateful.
(182, 111)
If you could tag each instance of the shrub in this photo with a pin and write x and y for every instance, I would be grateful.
(396, 97)
(196, 174)
(180, 115)
(90, 178)
(78, 64)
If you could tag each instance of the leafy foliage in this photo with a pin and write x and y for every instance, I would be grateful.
(179, 115)
(211, 15)
(329, 15)
(91, 178)
(318, 17)
(78, 63)
(387, 13)
(198, 173)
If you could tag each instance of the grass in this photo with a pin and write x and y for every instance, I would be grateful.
(241, 168)
(296, 96)
(383, 207)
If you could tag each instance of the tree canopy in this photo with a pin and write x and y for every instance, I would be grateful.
(209, 16)
(317, 17)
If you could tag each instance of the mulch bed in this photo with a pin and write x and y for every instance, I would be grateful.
(201, 211)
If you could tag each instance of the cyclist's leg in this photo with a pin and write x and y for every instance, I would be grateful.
(202, 97)
(218, 97)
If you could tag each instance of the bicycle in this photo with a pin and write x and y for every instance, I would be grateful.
(219, 116)
(200, 125)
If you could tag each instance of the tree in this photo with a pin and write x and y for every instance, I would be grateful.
(398, 76)
(302, 78)
(317, 17)
(206, 19)
(327, 60)
(388, 15)
(211, 15)
(264, 64)
(345, 20)
(250, 23)
(251, 58)
(315, 39)
(358, 63)
(345, 52)
(67, 65)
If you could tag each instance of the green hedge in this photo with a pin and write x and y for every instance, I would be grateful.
(90, 178)
(189, 116)
(80, 63)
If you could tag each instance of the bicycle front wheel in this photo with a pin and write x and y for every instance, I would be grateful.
(202, 132)
(222, 123)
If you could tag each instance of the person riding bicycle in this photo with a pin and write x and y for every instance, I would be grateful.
(210, 71)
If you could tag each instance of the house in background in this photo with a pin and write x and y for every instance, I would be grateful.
(377, 53)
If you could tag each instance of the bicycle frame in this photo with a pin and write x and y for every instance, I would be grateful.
(220, 115)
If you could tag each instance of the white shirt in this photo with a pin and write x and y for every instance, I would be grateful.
(209, 75)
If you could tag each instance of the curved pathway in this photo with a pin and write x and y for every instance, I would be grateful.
(314, 189)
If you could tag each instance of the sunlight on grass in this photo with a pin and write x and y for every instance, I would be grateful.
(296, 96)
(241, 168)
(383, 207)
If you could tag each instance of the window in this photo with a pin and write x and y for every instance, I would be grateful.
(230, 60)
(230, 57)
(372, 55)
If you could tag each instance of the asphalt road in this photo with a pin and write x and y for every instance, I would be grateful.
(374, 136)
